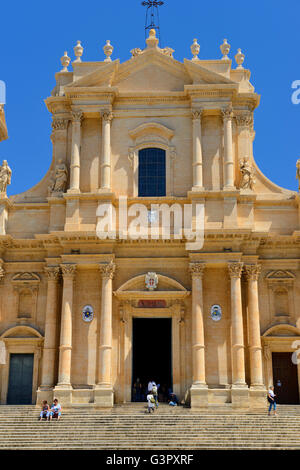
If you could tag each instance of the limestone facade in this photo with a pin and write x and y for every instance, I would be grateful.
(53, 264)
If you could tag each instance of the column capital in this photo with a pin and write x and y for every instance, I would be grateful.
(68, 270)
(244, 120)
(77, 115)
(107, 115)
(52, 272)
(197, 113)
(235, 269)
(227, 113)
(59, 124)
(107, 270)
(197, 269)
(252, 271)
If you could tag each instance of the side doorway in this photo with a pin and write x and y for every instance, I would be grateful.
(20, 379)
(285, 378)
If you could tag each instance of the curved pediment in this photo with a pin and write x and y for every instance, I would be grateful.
(151, 128)
(165, 284)
(21, 331)
(282, 330)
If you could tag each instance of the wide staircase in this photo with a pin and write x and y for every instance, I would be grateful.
(131, 427)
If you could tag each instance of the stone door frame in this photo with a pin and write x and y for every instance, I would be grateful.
(175, 309)
(275, 343)
(21, 345)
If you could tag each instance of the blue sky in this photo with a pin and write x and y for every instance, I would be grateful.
(35, 34)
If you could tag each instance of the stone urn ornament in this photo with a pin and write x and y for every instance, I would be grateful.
(108, 50)
(195, 48)
(65, 61)
(225, 49)
(239, 58)
(78, 51)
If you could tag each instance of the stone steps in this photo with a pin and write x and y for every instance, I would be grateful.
(128, 428)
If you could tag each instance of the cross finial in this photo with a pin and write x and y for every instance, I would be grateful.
(152, 17)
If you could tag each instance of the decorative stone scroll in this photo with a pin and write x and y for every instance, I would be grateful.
(2, 273)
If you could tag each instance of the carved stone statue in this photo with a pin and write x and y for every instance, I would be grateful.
(247, 171)
(5, 176)
(298, 172)
(58, 184)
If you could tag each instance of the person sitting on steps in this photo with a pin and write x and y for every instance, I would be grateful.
(55, 410)
(44, 414)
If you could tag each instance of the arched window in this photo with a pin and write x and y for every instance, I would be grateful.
(152, 172)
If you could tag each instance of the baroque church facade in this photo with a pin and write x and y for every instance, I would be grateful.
(87, 319)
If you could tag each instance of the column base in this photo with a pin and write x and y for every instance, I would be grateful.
(63, 392)
(258, 396)
(198, 188)
(240, 396)
(199, 396)
(44, 393)
(103, 396)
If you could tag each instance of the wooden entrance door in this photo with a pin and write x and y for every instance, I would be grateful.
(20, 379)
(286, 374)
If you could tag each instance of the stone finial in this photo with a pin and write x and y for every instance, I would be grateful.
(108, 50)
(152, 40)
(239, 58)
(65, 61)
(5, 178)
(195, 48)
(225, 49)
(78, 51)
(298, 172)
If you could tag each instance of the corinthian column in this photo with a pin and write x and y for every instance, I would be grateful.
(104, 393)
(49, 354)
(197, 151)
(199, 388)
(238, 353)
(228, 153)
(256, 369)
(75, 152)
(107, 117)
(65, 348)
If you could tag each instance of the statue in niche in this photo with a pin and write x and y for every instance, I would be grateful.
(59, 182)
(247, 172)
(5, 176)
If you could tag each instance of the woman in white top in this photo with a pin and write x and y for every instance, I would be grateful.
(271, 400)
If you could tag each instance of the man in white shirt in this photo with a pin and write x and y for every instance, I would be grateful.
(271, 400)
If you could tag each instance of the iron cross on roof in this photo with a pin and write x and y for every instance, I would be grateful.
(152, 16)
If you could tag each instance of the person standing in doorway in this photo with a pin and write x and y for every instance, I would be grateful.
(155, 393)
(272, 401)
(150, 386)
